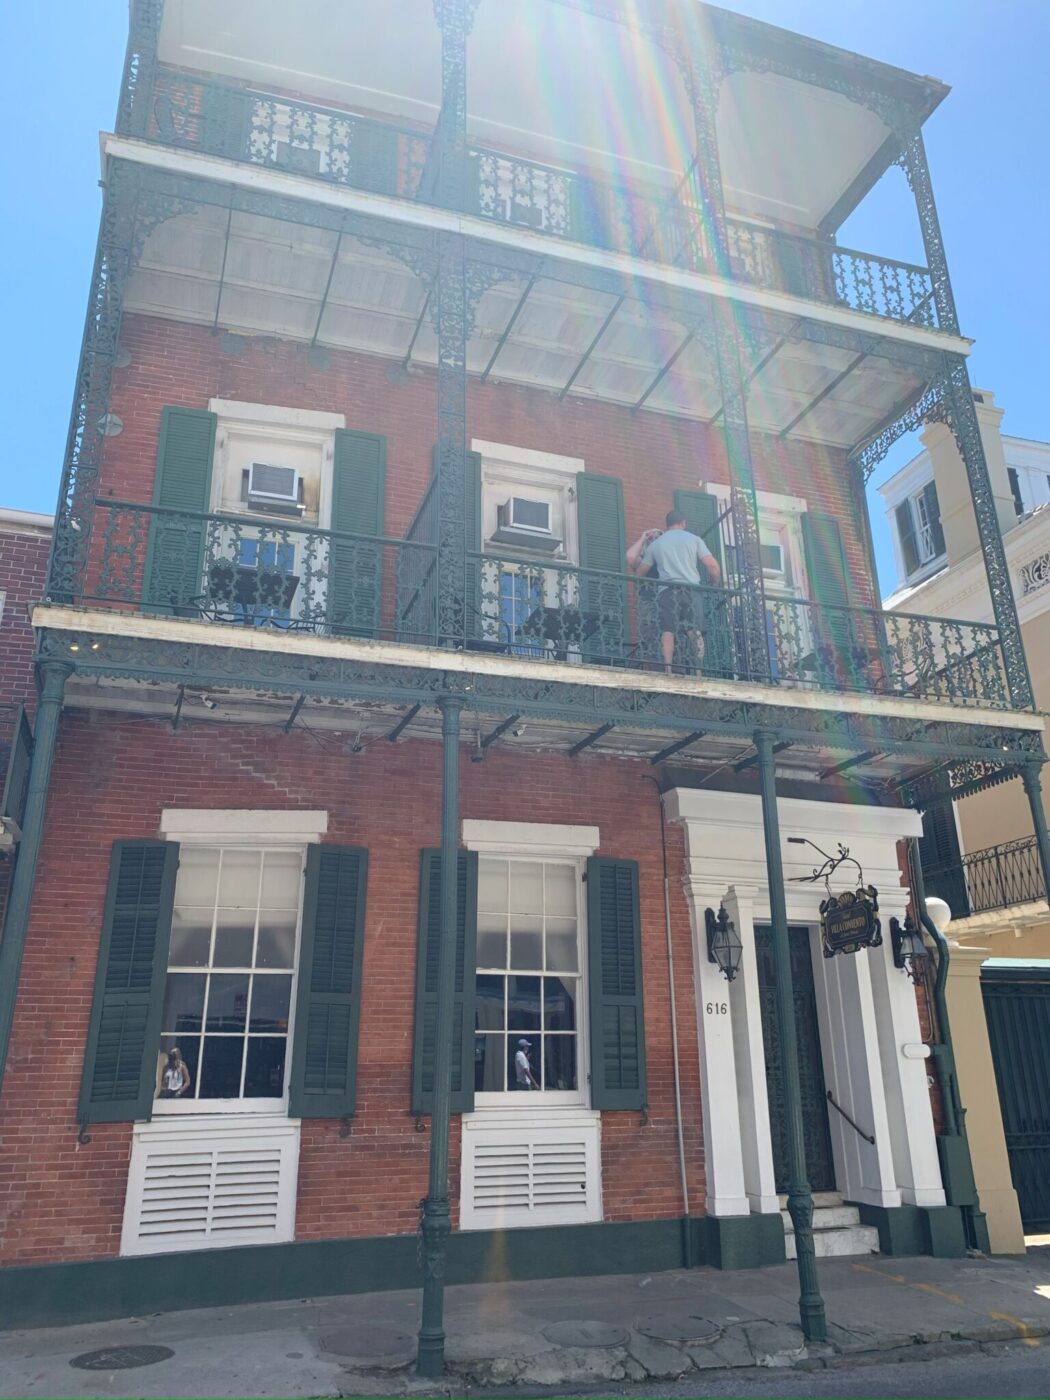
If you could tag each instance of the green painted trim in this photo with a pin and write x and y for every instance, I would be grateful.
(741, 1241)
(910, 1230)
(47, 1295)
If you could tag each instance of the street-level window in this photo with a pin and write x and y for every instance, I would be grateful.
(228, 995)
(529, 978)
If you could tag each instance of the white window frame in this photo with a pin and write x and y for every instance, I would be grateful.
(922, 530)
(246, 830)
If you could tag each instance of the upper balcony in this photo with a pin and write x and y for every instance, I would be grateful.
(600, 153)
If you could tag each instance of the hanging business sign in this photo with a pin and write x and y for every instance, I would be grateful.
(849, 921)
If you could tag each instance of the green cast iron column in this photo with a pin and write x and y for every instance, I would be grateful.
(1033, 786)
(437, 1224)
(800, 1199)
(53, 676)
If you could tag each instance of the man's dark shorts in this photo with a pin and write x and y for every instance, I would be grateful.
(680, 609)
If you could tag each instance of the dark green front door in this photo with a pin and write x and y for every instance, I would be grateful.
(1017, 1005)
(819, 1165)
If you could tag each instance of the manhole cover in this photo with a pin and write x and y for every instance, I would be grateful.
(120, 1358)
(586, 1334)
(369, 1342)
(690, 1329)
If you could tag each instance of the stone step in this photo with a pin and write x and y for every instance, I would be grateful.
(840, 1242)
(827, 1218)
(820, 1198)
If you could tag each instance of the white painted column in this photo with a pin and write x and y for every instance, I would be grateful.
(904, 1073)
(723, 1161)
(753, 1099)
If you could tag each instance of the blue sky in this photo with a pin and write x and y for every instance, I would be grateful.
(987, 146)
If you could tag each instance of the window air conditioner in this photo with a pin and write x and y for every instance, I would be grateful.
(277, 490)
(526, 524)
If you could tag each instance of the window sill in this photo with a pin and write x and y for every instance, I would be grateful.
(228, 1108)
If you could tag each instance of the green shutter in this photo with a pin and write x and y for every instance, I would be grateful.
(427, 954)
(120, 1061)
(599, 503)
(174, 572)
(906, 533)
(933, 515)
(472, 621)
(702, 511)
(226, 122)
(356, 566)
(830, 587)
(328, 1001)
(941, 858)
(615, 968)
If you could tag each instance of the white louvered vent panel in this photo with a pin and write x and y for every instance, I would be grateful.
(194, 1186)
(519, 1175)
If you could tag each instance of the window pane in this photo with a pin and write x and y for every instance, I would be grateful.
(197, 877)
(221, 1067)
(517, 1073)
(282, 879)
(526, 941)
(264, 1072)
(488, 1063)
(270, 1001)
(559, 1004)
(492, 885)
(183, 1002)
(523, 1003)
(559, 1061)
(526, 887)
(488, 1003)
(239, 880)
(562, 950)
(276, 947)
(190, 936)
(561, 890)
(227, 1002)
(492, 940)
(189, 1048)
(234, 936)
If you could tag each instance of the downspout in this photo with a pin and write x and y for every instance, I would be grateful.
(953, 1147)
(687, 1234)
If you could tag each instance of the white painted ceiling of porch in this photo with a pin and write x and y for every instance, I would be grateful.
(274, 279)
(547, 81)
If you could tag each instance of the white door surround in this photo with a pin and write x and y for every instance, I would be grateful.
(866, 1007)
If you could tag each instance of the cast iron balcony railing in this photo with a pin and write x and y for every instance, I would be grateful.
(994, 878)
(660, 225)
(250, 571)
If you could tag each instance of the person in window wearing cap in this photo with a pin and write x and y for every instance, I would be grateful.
(522, 1069)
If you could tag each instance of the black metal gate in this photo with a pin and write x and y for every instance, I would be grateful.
(820, 1166)
(1017, 1005)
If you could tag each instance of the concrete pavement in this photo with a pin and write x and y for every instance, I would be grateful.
(565, 1334)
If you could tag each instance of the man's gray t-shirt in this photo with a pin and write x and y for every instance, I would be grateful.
(677, 555)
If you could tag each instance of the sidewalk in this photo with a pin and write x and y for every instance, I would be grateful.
(561, 1333)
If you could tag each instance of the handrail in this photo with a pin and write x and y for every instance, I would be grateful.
(868, 1137)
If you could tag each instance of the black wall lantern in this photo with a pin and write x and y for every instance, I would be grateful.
(724, 948)
(910, 953)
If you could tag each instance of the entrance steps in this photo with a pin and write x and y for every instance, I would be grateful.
(837, 1230)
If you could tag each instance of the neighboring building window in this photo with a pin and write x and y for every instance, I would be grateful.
(231, 966)
(1015, 491)
(3, 601)
(529, 979)
(919, 529)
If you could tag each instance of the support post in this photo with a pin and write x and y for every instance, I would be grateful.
(1033, 786)
(451, 312)
(437, 1223)
(53, 676)
(913, 162)
(800, 1199)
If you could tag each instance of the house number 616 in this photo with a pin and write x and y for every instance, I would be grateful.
(717, 1008)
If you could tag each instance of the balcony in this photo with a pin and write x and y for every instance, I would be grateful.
(238, 571)
(997, 877)
(16, 749)
(660, 225)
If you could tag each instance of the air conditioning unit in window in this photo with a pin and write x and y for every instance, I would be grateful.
(526, 524)
(276, 490)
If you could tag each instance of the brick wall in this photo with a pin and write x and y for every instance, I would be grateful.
(653, 454)
(23, 573)
(112, 778)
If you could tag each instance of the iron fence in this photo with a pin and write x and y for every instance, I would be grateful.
(995, 877)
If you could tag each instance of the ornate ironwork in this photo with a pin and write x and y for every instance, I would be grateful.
(140, 63)
(1035, 574)
(912, 160)
(997, 876)
(930, 407)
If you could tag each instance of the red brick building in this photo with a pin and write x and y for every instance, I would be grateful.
(362, 741)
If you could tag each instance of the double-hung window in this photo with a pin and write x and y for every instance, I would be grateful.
(529, 987)
(919, 529)
(228, 996)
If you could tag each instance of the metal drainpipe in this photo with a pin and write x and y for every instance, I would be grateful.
(687, 1234)
(943, 1053)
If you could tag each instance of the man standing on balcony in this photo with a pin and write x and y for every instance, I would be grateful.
(676, 556)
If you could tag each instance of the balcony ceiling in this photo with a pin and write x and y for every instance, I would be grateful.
(259, 276)
(579, 91)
